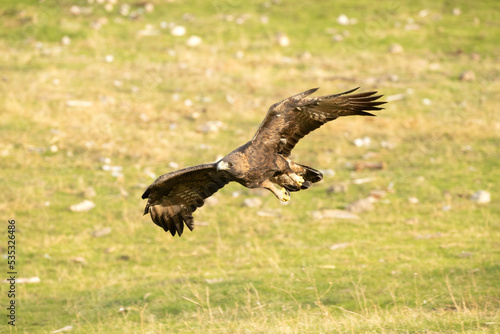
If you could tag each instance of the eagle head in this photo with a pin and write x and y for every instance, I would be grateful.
(233, 163)
(224, 165)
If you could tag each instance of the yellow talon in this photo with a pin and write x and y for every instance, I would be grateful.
(297, 179)
(285, 195)
(301, 181)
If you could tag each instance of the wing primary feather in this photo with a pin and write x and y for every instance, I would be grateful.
(305, 94)
(173, 197)
(327, 97)
(179, 224)
(368, 98)
(364, 113)
(175, 216)
(170, 224)
(189, 221)
(349, 91)
(162, 218)
(365, 104)
(168, 216)
(360, 95)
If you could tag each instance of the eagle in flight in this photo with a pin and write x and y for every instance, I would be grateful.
(263, 162)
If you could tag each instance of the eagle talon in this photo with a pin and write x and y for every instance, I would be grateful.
(284, 195)
(297, 179)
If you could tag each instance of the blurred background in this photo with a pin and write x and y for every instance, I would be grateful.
(100, 97)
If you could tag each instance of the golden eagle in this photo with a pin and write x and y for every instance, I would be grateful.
(263, 162)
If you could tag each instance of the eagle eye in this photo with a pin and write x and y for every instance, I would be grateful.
(230, 164)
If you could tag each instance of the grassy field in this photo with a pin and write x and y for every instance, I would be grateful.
(99, 97)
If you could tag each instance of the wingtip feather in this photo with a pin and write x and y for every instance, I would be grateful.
(302, 95)
(349, 91)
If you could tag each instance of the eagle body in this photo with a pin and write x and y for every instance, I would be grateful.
(245, 164)
(263, 162)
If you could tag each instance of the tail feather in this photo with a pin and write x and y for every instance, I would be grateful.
(309, 174)
(312, 175)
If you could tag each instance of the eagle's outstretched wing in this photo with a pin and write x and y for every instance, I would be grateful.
(291, 119)
(173, 197)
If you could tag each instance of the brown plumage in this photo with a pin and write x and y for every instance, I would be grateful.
(261, 163)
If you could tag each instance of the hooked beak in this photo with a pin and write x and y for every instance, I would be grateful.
(222, 165)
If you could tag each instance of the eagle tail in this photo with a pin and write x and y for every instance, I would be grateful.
(310, 175)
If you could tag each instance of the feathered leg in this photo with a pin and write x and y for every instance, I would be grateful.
(282, 194)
